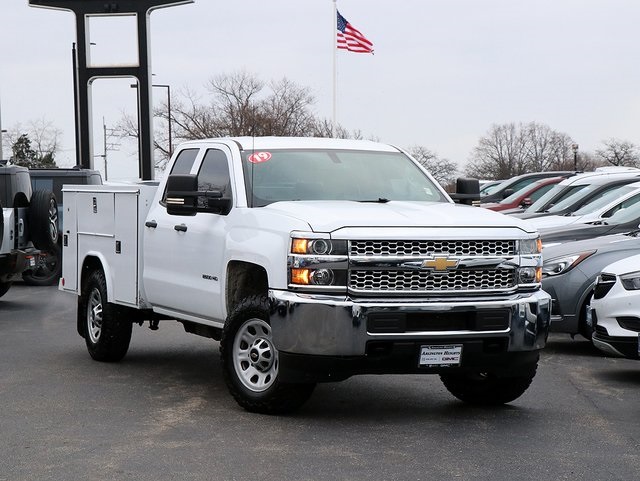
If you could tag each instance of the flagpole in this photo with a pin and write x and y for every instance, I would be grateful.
(335, 66)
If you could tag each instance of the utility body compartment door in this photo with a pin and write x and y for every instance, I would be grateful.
(106, 223)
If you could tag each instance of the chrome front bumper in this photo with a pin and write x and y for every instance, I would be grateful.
(327, 325)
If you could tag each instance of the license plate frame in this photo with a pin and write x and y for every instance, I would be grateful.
(440, 355)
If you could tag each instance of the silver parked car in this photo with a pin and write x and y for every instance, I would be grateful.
(569, 273)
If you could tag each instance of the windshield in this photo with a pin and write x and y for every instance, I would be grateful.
(534, 190)
(604, 200)
(315, 174)
(557, 194)
(490, 188)
(628, 214)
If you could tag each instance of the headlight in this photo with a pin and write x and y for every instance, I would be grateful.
(318, 246)
(560, 265)
(530, 246)
(631, 281)
(317, 262)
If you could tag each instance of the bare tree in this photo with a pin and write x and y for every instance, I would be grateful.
(443, 170)
(511, 149)
(237, 104)
(619, 152)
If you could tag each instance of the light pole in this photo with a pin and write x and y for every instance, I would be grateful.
(168, 112)
(1, 132)
(575, 156)
(164, 86)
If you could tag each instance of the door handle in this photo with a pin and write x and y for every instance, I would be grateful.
(151, 223)
(180, 228)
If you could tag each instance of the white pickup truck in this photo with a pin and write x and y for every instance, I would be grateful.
(310, 260)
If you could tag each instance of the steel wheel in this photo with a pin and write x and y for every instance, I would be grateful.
(254, 357)
(94, 316)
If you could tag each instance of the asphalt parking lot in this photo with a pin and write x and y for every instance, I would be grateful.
(164, 413)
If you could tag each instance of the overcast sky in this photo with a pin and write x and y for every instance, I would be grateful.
(443, 71)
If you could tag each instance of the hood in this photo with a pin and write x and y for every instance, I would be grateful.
(329, 216)
(603, 243)
(624, 266)
(551, 221)
(577, 232)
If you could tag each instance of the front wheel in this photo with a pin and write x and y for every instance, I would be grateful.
(107, 338)
(585, 326)
(4, 288)
(489, 389)
(250, 362)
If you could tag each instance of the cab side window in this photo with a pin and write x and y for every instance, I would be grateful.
(214, 173)
(184, 162)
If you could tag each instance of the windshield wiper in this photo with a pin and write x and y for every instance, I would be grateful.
(380, 200)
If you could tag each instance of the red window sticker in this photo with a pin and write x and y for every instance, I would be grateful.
(259, 157)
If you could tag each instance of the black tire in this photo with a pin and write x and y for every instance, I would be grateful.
(488, 389)
(107, 338)
(48, 270)
(1, 225)
(585, 329)
(250, 362)
(43, 220)
(4, 287)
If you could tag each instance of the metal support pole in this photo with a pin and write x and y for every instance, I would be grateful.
(86, 75)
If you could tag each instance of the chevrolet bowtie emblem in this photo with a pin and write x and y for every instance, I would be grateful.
(440, 263)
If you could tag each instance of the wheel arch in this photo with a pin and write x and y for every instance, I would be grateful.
(244, 279)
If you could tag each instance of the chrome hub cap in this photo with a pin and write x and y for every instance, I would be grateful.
(255, 359)
(94, 316)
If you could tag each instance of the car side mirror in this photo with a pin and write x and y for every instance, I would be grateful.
(507, 193)
(526, 202)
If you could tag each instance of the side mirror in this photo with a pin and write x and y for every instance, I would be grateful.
(467, 191)
(507, 193)
(526, 202)
(183, 197)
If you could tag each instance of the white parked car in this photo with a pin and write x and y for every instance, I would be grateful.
(615, 309)
(598, 210)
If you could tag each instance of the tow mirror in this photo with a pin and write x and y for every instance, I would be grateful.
(181, 198)
(467, 191)
(184, 198)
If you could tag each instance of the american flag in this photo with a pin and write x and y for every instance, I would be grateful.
(351, 39)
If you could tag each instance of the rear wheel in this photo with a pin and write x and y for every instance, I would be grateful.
(43, 220)
(250, 362)
(107, 338)
(47, 271)
(489, 389)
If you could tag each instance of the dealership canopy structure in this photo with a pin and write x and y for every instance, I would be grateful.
(85, 73)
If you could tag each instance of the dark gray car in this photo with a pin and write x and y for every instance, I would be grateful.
(621, 222)
(569, 273)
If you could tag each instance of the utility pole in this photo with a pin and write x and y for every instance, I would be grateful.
(106, 147)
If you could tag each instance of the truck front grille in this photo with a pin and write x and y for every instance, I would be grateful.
(472, 248)
(370, 281)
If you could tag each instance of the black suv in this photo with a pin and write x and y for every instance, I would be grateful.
(28, 225)
(48, 269)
